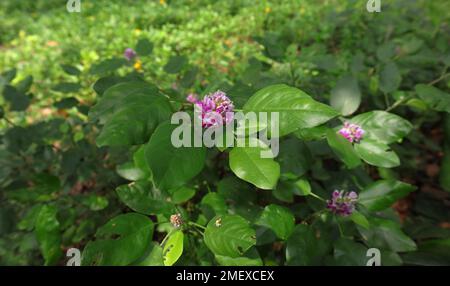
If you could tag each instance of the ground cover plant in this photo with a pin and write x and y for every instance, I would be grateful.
(88, 160)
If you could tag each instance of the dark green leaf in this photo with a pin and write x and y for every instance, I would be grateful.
(279, 219)
(346, 96)
(120, 241)
(382, 194)
(144, 47)
(229, 235)
(172, 167)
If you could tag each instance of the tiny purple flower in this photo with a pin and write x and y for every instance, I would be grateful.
(342, 203)
(216, 108)
(192, 98)
(352, 132)
(129, 54)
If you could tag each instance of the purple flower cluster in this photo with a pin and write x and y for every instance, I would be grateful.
(352, 132)
(216, 108)
(342, 203)
(129, 54)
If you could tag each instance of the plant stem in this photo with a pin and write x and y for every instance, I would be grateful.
(398, 103)
(166, 237)
(439, 79)
(339, 226)
(197, 225)
(386, 99)
(317, 197)
(10, 122)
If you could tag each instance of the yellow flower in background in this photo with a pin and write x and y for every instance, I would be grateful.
(138, 65)
(137, 32)
(162, 2)
(267, 10)
(302, 11)
(22, 34)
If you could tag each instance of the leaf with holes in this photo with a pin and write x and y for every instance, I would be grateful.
(229, 235)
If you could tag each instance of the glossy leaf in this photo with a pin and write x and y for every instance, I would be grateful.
(141, 197)
(48, 234)
(383, 126)
(296, 108)
(382, 194)
(345, 96)
(229, 235)
(279, 219)
(120, 241)
(343, 149)
(434, 97)
(173, 248)
(247, 164)
(172, 167)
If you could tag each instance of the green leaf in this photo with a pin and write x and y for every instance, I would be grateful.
(9, 75)
(349, 253)
(153, 256)
(182, 194)
(136, 170)
(279, 219)
(387, 234)
(434, 97)
(2, 112)
(377, 154)
(48, 234)
(304, 248)
(130, 113)
(18, 100)
(144, 47)
(71, 70)
(343, 149)
(312, 134)
(346, 96)
(66, 103)
(44, 188)
(29, 220)
(173, 248)
(175, 64)
(295, 157)
(390, 78)
(386, 51)
(24, 85)
(304, 188)
(383, 126)
(189, 77)
(107, 66)
(67, 87)
(382, 194)
(359, 219)
(229, 235)
(296, 108)
(247, 164)
(103, 83)
(250, 258)
(130, 172)
(141, 197)
(172, 167)
(214, 202)
(120, 241)
(95, 203)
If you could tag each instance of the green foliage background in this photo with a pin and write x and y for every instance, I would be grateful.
(85, 153)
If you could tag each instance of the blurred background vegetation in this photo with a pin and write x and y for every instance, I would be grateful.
(236, 45)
